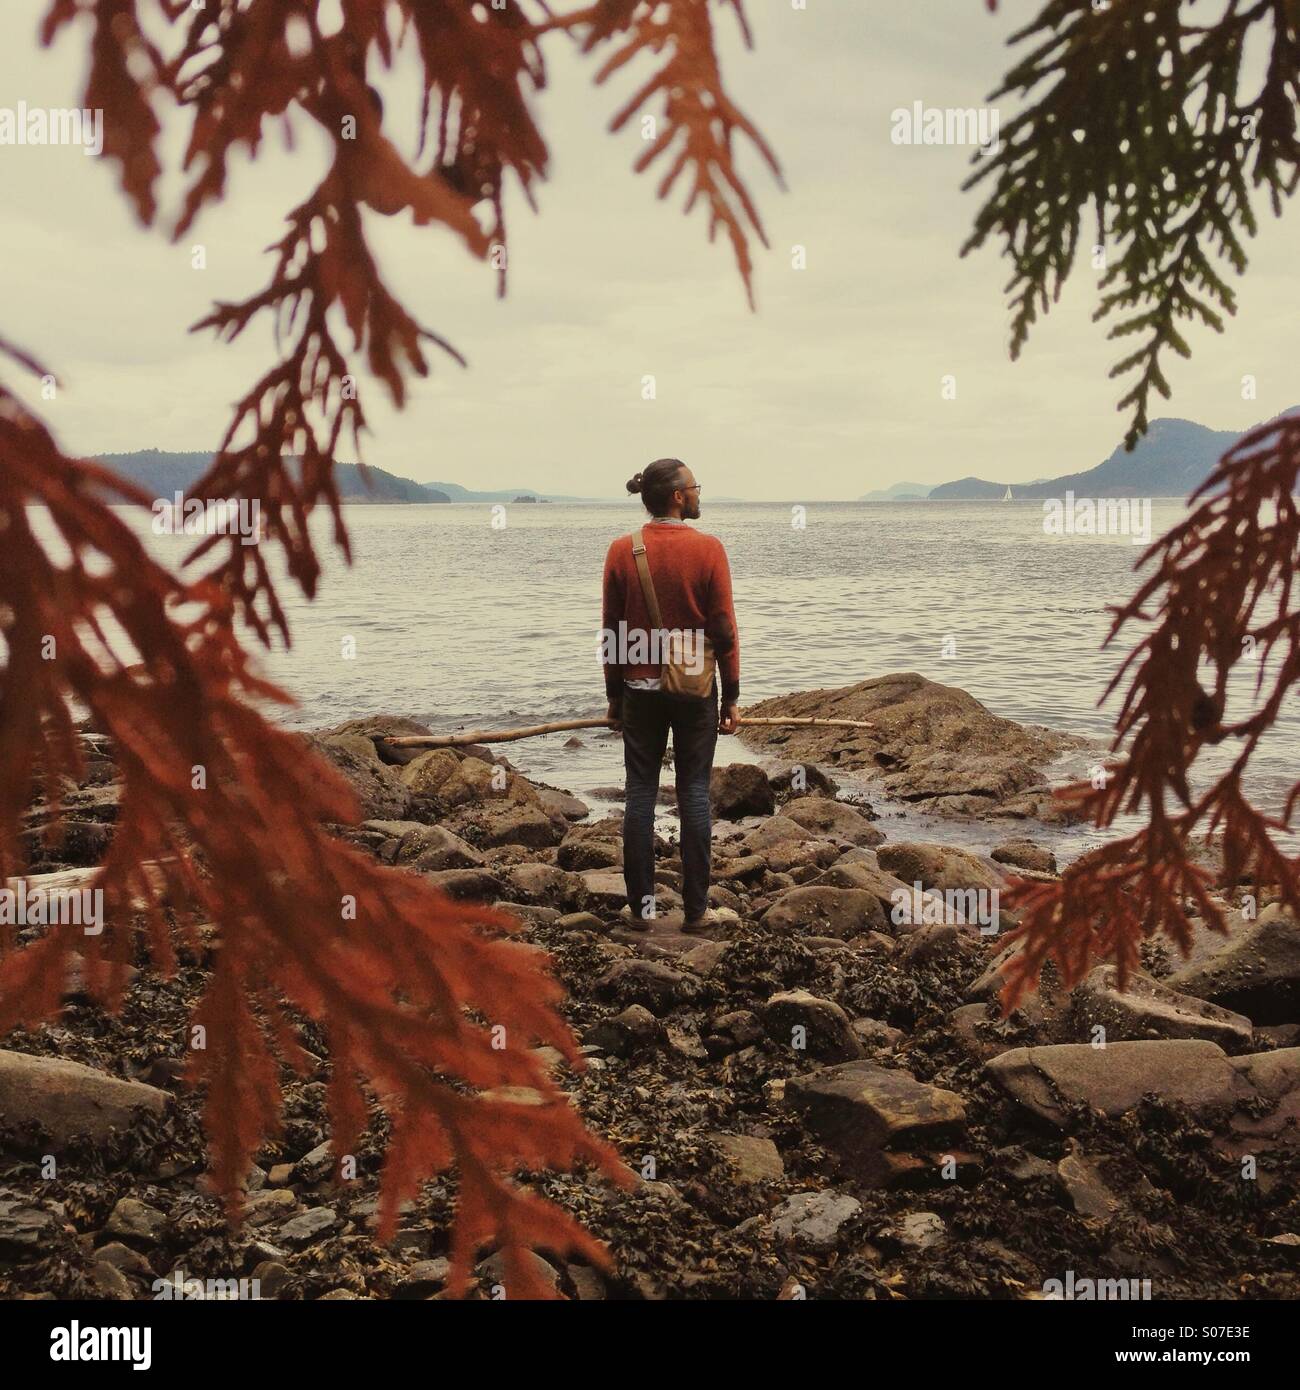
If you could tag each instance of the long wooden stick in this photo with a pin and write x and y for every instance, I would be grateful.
(563, 725)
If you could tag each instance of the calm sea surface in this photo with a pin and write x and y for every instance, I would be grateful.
(464, 624)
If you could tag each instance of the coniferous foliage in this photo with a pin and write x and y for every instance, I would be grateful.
(220, 817)
(1146, 113)
(1221, 598)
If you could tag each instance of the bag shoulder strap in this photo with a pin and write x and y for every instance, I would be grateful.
(647, 582)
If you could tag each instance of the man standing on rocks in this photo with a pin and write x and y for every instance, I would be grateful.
(669, 579)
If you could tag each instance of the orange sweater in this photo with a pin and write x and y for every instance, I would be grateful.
(693, 583)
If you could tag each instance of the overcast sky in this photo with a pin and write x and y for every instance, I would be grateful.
(831, 388)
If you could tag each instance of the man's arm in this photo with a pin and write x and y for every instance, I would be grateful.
(612, 611)
(725, 636)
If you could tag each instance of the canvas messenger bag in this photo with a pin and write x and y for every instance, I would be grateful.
(685, 671)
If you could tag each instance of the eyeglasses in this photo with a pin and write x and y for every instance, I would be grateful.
(693, 487)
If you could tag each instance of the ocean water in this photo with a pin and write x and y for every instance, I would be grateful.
(465, 622)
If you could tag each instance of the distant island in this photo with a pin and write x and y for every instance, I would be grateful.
(165, 474)
(897, 492)
(1172, 459)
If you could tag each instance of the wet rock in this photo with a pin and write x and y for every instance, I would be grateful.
(380, 792)
(814, 1220)
(66, 1099)
(804, 779)
(741, 789)
(473, 781)
(750, 1160)
(838, 912)
(274, 1204)
(823, 1028)
(832, 820)
(1024, 854)
(132, 1220)
(873, 1118)
(625, 1034)
(656, 986)
(1145, 1008)
(732, 1031)
(1257, 973)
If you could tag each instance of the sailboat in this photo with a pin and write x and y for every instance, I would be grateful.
(1008, 497)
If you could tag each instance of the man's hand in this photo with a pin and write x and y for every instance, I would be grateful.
(728, 718)
(615, 716)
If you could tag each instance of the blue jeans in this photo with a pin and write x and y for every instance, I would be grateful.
(648, 715)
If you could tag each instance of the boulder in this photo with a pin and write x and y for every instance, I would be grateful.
(467, 885)
(937, 867)
(1047, 1080)
(376, 727)
(777, 830)
(824, 1028)
(426, 773)
(933, 742)
(833, 820)
(1257, 973)
(804, 779)
(875, 1119)
(541, 883)
(562, 805)
(378, 788)
(432, 848)
(741, 789)
(839, 912)
(508, 823)
(68, 1100)
(598, 845)
(1145, 1008)
(602, 892)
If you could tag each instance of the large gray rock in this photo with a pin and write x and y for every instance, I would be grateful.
(873, 1117)
(1145, 1008)
(832, 820)
(1257, 972)
(68, 1100)
(840, 912)
(937, 867)
(429, 848)
(1113, 1079)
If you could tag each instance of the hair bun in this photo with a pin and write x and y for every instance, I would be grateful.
(634, 483)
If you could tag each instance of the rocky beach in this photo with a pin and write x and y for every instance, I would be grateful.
(820, 1095)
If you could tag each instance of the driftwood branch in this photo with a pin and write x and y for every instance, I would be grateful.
(564, 725)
